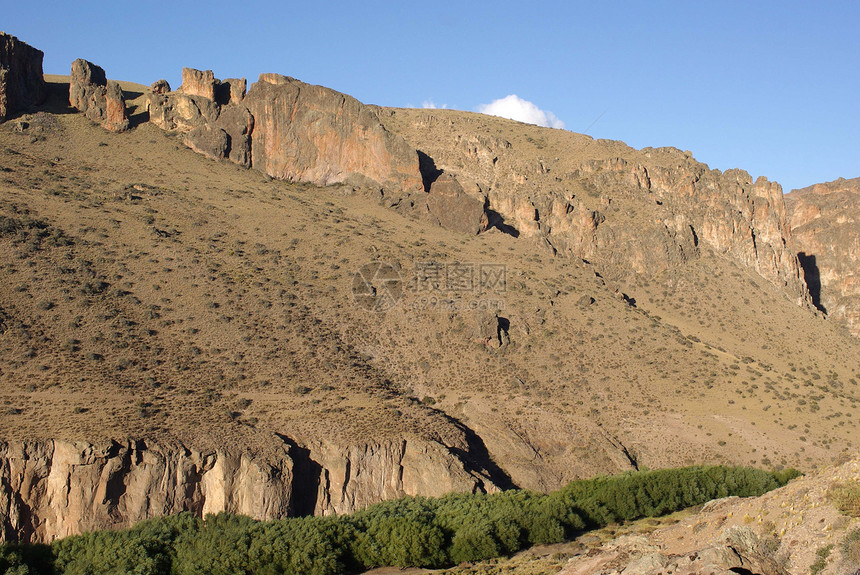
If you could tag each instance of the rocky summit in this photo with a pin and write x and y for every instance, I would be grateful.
(276, 300)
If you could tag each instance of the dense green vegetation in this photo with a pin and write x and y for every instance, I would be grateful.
(413, 531)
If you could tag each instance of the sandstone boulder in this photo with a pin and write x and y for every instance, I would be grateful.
(178, 112)
(314, 134)
(452, 208)
(22, 84)
(210, 141)
(101, 100)
(198, 83)
(160, 87)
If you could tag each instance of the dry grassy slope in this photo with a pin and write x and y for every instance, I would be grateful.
(205, 302)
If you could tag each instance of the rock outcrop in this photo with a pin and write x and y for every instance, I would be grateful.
(691, 205)
(179, 112)
(825, 230)
(160, 87)
(451, 208)
(191, 106)
(304, 133)
(779, 533)
(198, 83)
(209, 112)
(22, 84)
(51, 489)
(314, 134)
(100, 99)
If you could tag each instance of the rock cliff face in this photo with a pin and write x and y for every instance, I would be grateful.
(625, 210)
(314, 134)
(288, 129)
(21, 82)
(690, 205)
(825, 227)
(52, 489)
(100, 99)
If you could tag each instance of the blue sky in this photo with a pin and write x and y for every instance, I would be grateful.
(770, 87)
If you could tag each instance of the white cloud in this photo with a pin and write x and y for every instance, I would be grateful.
(515, 108)
(431, 105)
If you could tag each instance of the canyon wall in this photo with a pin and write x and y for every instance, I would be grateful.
(51, 489)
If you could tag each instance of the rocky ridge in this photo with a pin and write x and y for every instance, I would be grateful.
(304, 133)
(826, 234)
(588, 198)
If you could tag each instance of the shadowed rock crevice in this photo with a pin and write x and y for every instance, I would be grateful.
(306, 479)
(477, 458)
(496, 220)
(429, 171)
(812, 275)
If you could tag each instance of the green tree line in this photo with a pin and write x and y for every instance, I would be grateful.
(412, 531)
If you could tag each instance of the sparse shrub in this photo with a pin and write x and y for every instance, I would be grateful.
(846, 498)
(851, 547)
(821, 560)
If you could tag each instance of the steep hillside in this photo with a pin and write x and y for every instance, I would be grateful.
(826, 235)
(174, 324)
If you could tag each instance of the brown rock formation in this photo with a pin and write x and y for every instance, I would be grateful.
(231, 91)
(52, 489)
(198, 83)
(100, 99)
(451, 208)
(21, 82)
(64, 488)
(825, 229)
(178, 112)
(314, 134)
(160, 87)
(210, 141)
